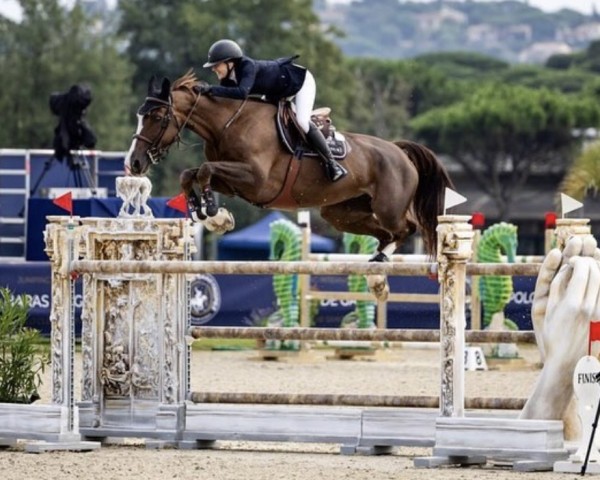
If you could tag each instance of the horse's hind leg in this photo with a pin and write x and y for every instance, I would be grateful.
(391, 202)
(355, 216)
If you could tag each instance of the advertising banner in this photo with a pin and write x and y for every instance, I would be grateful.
(247, 300)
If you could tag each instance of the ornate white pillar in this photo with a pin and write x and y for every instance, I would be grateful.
(455, 247)
(62, 242)
(134, 353)
(569, 227)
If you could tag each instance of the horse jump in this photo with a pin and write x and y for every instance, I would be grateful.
(151, 376)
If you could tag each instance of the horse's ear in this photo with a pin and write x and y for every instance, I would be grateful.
(151, 85)
(165, 89)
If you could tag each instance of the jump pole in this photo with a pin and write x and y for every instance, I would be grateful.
(454, 250)
(163, 281)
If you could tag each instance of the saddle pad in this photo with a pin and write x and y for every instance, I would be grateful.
(289, 135)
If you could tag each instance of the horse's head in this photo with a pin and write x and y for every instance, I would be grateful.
(157, 129)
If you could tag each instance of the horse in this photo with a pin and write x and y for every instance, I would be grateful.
(391, 190)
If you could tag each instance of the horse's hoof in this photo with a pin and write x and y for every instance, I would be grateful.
(220, 223)
(379, 257)
(211, 209)
(378, 286)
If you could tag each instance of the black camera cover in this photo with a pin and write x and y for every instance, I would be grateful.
(72, 131)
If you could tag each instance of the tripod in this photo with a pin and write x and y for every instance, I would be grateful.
(79, 168)
(593, 434)
(79, 165)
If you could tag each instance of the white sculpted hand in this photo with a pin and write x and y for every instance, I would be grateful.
(566, 299)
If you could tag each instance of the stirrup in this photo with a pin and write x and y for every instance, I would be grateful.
(335, 171)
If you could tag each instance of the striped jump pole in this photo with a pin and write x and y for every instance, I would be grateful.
(356, 334)
(403, 401)
(307, 267)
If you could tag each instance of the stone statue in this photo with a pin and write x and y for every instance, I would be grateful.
(566, 300)
(135, 192)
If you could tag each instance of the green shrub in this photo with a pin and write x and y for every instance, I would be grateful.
(22, 356)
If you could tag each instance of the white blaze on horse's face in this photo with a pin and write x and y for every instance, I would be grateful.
(133, 145)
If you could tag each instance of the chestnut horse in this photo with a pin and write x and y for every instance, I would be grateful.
(391, 188)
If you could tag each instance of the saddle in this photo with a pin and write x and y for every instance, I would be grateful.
(292, 136)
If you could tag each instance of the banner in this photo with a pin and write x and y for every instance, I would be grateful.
(247, 300)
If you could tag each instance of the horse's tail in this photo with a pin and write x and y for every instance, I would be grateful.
(429, 198)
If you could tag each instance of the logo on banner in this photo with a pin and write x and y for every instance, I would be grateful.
(205, 299)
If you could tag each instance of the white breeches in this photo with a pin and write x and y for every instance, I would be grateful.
(305, 100)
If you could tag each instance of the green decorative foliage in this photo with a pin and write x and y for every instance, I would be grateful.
(496, 290)
(364, 313)
(286, 239)
(22, 360)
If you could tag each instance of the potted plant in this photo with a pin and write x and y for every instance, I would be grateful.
(22, 356)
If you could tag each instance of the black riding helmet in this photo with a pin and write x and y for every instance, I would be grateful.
(223, 51)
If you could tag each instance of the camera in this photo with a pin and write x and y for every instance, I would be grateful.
(72, 131)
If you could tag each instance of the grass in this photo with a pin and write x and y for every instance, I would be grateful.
(224, 344)
(202, 344)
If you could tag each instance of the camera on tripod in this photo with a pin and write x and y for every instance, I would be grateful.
(72, 132)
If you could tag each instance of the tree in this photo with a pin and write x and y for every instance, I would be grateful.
(583, 176)
(501, 134)
(380, 104)
(51, 49)
(388, 93)
(464, 65)
(588, 59)
(573, 80)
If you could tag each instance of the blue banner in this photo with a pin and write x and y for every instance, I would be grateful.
(246, 300)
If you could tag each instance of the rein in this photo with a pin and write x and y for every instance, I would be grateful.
(156, 153)
(232, 119)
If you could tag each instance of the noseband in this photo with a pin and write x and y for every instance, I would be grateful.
(155, 152)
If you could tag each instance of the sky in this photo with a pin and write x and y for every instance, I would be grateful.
(10, 8)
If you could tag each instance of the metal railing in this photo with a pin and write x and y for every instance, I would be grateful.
(22, 169)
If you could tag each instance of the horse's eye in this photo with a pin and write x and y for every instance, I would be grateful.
(157, 118)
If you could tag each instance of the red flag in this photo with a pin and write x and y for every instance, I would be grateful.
(594, 334)
(179, 203)
(65, 202)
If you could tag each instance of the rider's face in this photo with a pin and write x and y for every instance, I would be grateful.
(220, 70)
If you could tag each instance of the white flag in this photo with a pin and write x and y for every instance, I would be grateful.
(451, 199)
(569, 204)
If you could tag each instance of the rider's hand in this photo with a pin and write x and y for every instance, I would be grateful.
(204, 89)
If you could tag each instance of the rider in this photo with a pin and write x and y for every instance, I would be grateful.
(241, 76)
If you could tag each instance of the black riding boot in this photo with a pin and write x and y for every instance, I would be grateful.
(333, 169)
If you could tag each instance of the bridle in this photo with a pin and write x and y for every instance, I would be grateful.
(155, 152)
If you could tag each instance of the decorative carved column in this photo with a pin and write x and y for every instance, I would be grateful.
(569, 227)
(134, 353)
(455, 248)
(62, 245)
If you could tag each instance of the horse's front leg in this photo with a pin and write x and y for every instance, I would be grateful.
(194, 198)
(208, 197)
(201, 178)
(197, 186)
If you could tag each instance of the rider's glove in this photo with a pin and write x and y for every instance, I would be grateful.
(204, 89)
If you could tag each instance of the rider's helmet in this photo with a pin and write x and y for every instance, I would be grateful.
(223, 51)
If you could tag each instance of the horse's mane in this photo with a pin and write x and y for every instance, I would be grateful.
(187, 81)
